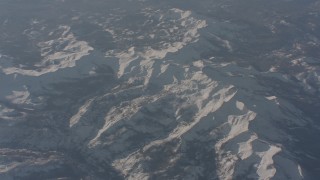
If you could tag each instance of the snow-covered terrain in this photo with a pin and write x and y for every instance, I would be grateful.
(146, 90)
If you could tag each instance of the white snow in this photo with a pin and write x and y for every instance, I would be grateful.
(190, 30)
(266, 169)
(53, 60)
(19, 97)
(245, 148)
(82, 110)
(226, 160)
(240, 105)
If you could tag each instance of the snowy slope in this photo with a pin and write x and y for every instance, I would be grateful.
(151, 92)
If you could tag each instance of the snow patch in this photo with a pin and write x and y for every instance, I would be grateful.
(69, 51)
(82, 110)
(240, 105)
(245, 148)
(266, 169)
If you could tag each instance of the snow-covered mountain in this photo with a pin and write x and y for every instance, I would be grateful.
(140, 89)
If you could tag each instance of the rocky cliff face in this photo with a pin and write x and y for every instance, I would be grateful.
(148, 90)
